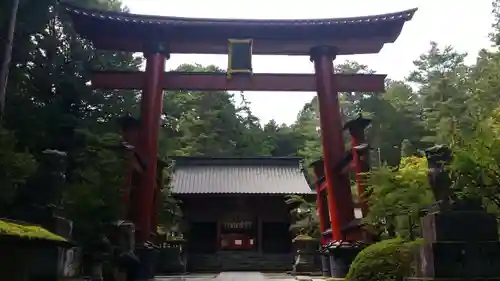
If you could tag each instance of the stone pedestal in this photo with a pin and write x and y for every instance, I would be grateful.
(306, 250)
(304, 262)
(325, 265)
(172, 257)
(458, 245)
(340, 255)
(14, 261)
(47, 261)
(341, 259)
(460, 226)
(147, 256)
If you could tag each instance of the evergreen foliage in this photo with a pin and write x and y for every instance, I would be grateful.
(388, 260)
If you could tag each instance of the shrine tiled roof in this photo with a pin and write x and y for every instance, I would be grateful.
(256, 175)
(130, 32)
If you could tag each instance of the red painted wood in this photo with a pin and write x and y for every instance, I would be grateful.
(340, 203)
(322, 220)
(322, 186)
(256, 82)
(151, 107)
(360, 168)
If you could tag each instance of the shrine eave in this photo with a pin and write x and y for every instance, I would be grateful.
(131, 32)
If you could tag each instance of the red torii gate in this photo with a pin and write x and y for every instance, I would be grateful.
(357, 159)
(322, 40)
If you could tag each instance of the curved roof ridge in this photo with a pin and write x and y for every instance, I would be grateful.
(405, 15)
(237, 157)
(121, 31)
(186, 161)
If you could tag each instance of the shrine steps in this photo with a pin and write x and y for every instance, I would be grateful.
(239, 261)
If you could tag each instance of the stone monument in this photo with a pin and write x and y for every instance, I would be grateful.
(38, 202)
(125, 262)
(439, 179)
(460, 238)
(305, 250)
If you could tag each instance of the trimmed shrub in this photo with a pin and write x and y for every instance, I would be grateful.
(388, 260)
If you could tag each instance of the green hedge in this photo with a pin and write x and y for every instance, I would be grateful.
(388, 260)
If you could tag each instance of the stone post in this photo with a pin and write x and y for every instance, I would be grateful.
(460, 238)
(458, 245)
(306, 249)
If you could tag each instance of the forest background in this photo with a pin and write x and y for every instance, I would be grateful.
(49, 105)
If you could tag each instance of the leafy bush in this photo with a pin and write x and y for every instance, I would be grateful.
(15, 167)
(93, 197)
(304, 213)
(388, 260)
(397, 195)
(475, 168)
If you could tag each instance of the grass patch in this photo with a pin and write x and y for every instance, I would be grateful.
(8, 228)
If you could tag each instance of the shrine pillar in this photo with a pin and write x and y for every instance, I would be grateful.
(361, 156)
(340, 205)
(151, 109)
(319, 173)
(323, 220)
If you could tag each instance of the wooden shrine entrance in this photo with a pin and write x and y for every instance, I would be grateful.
(322, 40)
(235, 224)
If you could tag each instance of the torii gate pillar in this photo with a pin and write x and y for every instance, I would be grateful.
(151, 108)
(340, 204)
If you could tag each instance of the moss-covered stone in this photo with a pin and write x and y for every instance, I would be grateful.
(388, 260)
(27, 231)
(302, 237)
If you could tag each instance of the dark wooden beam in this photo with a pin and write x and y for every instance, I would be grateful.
(204, 81)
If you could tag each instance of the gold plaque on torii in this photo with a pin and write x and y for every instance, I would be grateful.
(239, 57)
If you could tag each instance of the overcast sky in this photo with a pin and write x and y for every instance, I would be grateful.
(464, 24)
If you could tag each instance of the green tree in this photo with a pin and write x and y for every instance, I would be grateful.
(94, 196)
(281, 139)
(15, 168)
(407, 148)
(476, 165)
(209, 123)
(305, 215)
(306, 128)
(395, 117)
(397, 195)
(48, 84)
(441, 76)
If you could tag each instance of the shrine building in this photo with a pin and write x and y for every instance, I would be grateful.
(234, 210)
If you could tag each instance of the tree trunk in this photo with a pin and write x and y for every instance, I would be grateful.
(4, 71)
